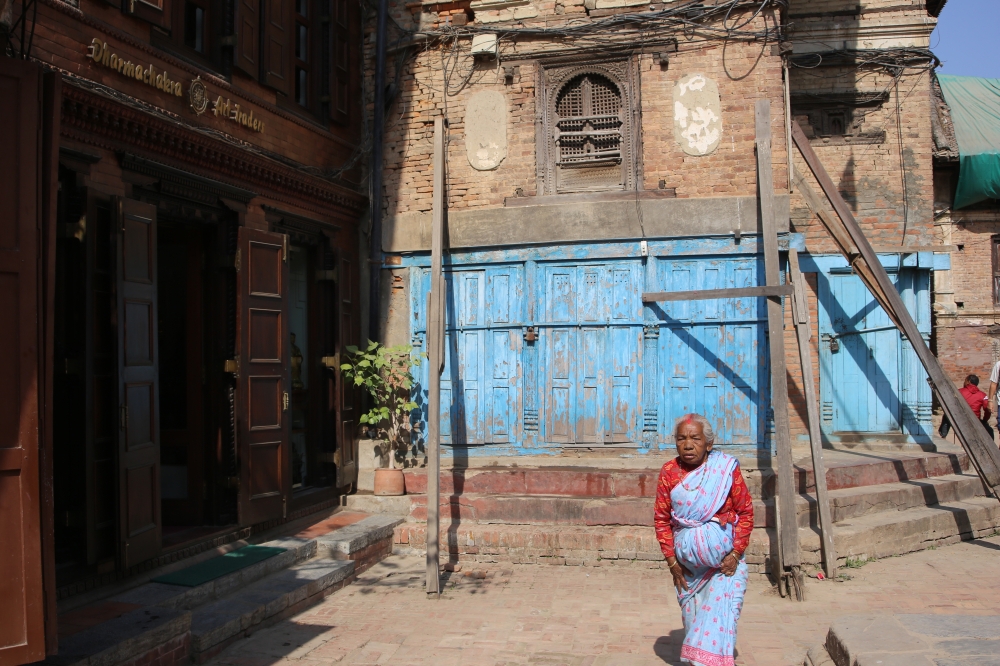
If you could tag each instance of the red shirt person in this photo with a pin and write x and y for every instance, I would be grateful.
(978, 402)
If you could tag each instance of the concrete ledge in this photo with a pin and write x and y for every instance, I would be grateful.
(124, 638)
(582, 222)
(914, 640)
(382, 505)
(347, 541)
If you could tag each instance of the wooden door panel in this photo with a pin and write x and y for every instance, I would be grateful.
(140, 428)
(142, 506)
(264, 384)
(266, 334)
(265, 469)
(22, 623)
(140, 531)
(139, 333)
(264, 403)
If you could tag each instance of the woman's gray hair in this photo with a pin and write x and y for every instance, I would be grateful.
(706, 427)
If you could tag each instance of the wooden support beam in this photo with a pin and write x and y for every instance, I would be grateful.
(838, 232)
(435, 352)
(711, 294)
(981, 449)
(788, 529)
(800, 317)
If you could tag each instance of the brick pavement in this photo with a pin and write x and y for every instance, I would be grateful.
(582, 616)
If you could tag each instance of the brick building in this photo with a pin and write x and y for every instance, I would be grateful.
(580, 176)
(181, 197)
(965, 298)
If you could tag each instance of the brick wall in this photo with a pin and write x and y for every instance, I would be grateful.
(871, 177)
(747, 72)
(966, 323)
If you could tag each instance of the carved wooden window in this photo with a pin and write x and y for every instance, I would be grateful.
(588, 131)
(589, 123)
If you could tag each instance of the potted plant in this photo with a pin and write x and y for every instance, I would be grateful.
(386, 373)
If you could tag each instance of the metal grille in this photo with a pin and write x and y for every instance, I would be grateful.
(588, 128)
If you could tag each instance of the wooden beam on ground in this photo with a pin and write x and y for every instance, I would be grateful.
(800, 317)
(710, 294)
(788, 530)
(435, 349)
(981, 449)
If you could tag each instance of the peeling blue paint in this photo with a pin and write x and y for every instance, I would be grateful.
(605, 371)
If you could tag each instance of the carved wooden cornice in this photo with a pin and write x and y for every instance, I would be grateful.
(96, 120)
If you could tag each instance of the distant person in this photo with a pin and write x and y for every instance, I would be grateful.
(978, 401)
(703, 517)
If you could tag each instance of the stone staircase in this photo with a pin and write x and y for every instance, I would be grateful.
(161, 624)
(882, 504)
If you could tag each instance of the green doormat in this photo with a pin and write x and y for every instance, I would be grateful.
(219, 566)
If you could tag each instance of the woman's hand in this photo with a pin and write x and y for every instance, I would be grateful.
(678, 571)
(729, 563)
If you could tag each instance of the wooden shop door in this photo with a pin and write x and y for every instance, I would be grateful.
(264, 418)
(22, 607)
(140, 531)
(346, 398)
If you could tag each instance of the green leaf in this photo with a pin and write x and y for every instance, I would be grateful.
(352, 349)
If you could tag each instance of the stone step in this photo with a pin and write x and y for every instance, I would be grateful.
(366, 542)
(887, 534)
(128, 638)
(174, 624)
(868, 536)
(848, 503)
(217, 624)
(182, 597)
(844, 470)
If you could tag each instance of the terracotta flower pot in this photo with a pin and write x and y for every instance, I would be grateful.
(389, 482)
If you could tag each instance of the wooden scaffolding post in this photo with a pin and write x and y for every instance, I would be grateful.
(800, 316)
(435, 352)
(789, 572)
(982, 450)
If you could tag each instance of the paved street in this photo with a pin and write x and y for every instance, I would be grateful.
(505, 615)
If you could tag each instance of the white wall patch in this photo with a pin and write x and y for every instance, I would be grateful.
(697, 114)
(486, 129)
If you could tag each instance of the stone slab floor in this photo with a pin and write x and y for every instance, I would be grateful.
(503, 615)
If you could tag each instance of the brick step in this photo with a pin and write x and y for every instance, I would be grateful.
(875, 535)
(616, 511)
(844, 470)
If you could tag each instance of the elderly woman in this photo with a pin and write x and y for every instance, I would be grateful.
(703, 517)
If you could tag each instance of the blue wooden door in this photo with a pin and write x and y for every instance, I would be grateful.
(479, 383)
(590, 328)
(870, 379)
(711, 355)
(861, 359)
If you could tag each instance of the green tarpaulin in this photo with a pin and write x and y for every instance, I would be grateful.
(975, 111)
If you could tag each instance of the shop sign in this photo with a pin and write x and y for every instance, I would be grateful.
(100, 52)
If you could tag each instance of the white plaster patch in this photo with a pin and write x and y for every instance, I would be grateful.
(486, 129)
(697, 114)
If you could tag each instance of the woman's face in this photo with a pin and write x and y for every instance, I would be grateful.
(691, 445)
